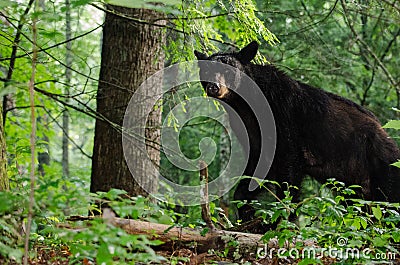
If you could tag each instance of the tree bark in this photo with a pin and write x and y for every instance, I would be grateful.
(131, 52)
(68, 77)
(4, 183)
(8, 101)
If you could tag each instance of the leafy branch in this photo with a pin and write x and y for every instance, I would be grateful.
(371, 52)
(6, 98)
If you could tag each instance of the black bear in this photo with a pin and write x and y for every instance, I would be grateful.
(319, 134)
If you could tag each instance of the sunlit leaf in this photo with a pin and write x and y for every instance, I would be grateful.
(396, 164)
(377, 212)
(379, 242)
(393, 124)
(143, 3)
(8, 3)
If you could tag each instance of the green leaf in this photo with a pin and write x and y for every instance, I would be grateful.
(8, 3)
(396, 164)
(165, 219)
(348, 221)
(379, 242)
(142, 3)
(275, 216)
(363, 221)
(308, 261)
(114, 194)
(348, 191)
(76, 3)
(377, 212)
(396, 236)
(354, 243)
(103, 255)
(357, 223)
(393, 124)
(12, 253)
(268, 235)
(354, 187)
(8, 89)
(204, 231)
(240, 203)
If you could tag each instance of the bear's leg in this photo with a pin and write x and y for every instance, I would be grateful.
(242, 193)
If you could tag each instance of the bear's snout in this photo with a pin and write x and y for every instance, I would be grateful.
(212, 90)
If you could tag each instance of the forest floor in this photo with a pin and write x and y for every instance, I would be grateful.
(184, 256)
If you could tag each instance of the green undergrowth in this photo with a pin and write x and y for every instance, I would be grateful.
(331, 220)
(332, 224)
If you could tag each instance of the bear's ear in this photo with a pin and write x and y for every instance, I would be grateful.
(200, 56)
(248, 53)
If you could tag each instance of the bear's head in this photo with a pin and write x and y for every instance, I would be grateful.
(224, 70)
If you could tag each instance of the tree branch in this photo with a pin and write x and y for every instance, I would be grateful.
(67, 135)
(54, 58)
(392, 4)
(371, 52)
(390, 45)
(153, 23)
(53, 46)
(311, 25)
(17, 38)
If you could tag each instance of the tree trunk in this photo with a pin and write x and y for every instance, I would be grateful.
(131, 52)
(68, 76)
(4, 184)
(8, 101)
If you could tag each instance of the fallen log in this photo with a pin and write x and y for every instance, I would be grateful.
(239, 244)
(244, 244)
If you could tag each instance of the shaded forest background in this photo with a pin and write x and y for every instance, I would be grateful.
(349, 48)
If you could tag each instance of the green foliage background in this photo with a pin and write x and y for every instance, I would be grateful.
(349, 48)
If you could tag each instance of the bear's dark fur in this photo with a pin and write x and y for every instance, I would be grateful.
(319, 133)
